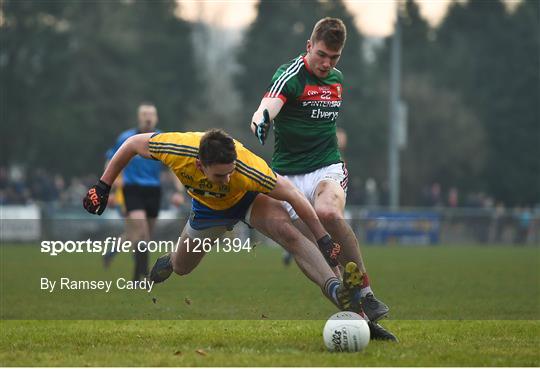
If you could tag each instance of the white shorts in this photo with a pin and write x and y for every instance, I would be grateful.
(307, 183)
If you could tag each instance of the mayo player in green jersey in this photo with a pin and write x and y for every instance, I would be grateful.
(303, 102)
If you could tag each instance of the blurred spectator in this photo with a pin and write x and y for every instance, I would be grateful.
(478, 200)
(372, 193)
(498, 223)
(524, 217)
(432, 195)
(453, 198)
(44, 186)
(385, 194)
(14, 189)
(3, 184)
(59, 185)
(355, 191)
(75, 192)
(341, 140)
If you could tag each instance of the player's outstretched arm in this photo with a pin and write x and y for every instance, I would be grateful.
(260, 123)
(285, 191)
(96, 198)
(137, 144)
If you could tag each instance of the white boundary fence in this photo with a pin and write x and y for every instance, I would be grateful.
(26, 223)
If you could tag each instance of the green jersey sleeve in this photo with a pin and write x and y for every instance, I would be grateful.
(285, 83)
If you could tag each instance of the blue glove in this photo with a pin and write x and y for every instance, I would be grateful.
(261, 129)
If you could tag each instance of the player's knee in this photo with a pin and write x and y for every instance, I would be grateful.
(329, 213)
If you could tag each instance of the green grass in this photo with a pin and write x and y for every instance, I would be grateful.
(262, 343)
(450, 306)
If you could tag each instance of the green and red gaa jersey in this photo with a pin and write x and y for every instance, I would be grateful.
(305, 128)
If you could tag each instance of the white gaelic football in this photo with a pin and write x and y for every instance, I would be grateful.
(346, 331)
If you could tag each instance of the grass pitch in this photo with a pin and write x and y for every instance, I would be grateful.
(450, 306)
(263, 343)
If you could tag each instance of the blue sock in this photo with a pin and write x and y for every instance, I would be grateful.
(330, 289)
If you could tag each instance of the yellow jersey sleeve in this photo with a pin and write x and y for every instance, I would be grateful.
(175, 149)
(256, 175)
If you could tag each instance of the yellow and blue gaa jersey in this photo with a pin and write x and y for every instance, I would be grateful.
(179, 151)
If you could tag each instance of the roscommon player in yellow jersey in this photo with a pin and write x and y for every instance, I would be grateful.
(228, 184)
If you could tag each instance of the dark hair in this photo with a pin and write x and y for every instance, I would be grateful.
(331, 31)
(145, 103)
(216, 147)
